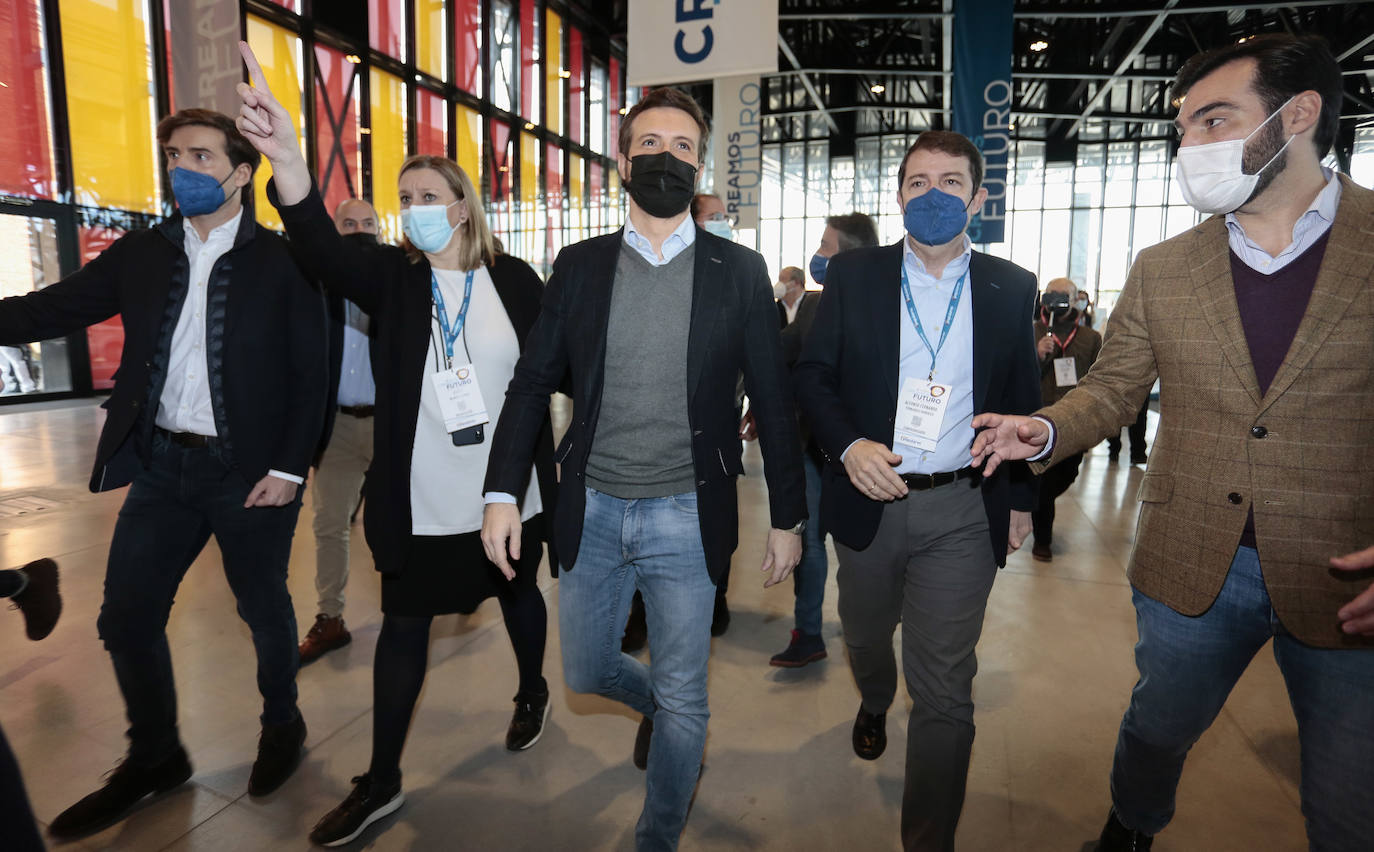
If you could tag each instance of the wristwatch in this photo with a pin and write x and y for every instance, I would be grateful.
(799, 528)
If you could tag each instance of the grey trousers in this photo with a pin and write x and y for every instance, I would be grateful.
(337, 483)
(930, 568)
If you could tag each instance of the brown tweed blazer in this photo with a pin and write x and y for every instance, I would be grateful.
(1302, 455)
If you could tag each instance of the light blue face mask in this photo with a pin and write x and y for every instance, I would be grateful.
(719, 227)
(427, 227)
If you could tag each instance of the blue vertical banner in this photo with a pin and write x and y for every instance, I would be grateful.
(982, 101)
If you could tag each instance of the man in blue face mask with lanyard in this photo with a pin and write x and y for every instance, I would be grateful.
(909, 342)
(213, 420)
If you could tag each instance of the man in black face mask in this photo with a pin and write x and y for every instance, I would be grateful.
(1066, 349)
(653, 324)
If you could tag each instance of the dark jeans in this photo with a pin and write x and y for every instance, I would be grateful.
(1188, 665)
(1053, 484)
(929, 569)
(1136, 433)
(173, 507)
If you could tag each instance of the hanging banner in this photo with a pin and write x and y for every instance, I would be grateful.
(204, 36)
(735, 139)
(982, 101)
(676, 41)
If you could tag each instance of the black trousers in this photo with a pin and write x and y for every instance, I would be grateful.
(1136, 433)
(1053, 483)
(175, 504)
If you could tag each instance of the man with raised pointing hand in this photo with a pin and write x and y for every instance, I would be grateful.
(213, 419)
(1259, 324)
(653, 324)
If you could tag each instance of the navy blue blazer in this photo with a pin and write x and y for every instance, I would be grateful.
(846, 381)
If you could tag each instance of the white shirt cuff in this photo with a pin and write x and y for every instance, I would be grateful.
(1049, 445)
(498, 497)
(299, 480)
(848, 448)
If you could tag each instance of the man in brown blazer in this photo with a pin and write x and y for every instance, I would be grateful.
(1259, 325)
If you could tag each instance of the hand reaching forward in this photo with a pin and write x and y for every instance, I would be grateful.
(269, 128)
(1357, 617)
(1006, 437)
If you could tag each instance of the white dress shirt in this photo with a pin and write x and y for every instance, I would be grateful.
(185, 404)
(683, 236)
(954, 366)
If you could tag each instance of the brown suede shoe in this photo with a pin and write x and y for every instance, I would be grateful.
(327, 634)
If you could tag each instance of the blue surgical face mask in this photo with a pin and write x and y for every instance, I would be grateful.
(719, 227)
(935, 218)
(197, 193)
(1081, 304)
(818, 267)
(427, 227)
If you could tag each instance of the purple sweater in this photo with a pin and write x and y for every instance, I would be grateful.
(1271, 307)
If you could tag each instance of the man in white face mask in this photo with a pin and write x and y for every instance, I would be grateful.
(1259, 325)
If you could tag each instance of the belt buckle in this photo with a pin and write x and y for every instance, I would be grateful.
(925, 482)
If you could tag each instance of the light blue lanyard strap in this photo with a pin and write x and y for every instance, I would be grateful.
(950, 313)
(451, 335)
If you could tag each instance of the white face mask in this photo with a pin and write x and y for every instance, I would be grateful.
(779, 290)
(1212, 176)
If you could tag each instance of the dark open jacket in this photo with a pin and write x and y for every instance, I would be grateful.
(847, 378)
(265, 347)
(396, 293)
(733, 329)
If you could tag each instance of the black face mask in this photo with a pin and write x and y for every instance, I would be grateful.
(661, 184)
(362, 238)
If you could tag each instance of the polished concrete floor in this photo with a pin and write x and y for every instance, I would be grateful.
(1056, 670)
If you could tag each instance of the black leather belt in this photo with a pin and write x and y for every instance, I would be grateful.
(358, 410)
(926, 481)
(189, 440)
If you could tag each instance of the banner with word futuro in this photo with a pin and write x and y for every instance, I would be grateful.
(206, 65)
(676, 41)
(982, 101)
(735, 139)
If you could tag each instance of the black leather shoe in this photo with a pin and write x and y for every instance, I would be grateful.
(720, 619)
(804, 648)
(642, 737)
(1118, 838)
(1139, 458)
(636, 628)
(365, 805)
(870, 734)
(126, 787)
(279, 753)
(527, 725)
(40, 601)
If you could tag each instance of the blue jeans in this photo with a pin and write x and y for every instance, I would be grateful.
(653, 545)
(809, 578)
(1188, 665)
(175, 504)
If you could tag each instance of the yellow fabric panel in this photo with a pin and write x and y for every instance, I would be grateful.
(279, 53)
(388, 150)
(110, 104)
(469, 142)
(429, 37)
(553, 63)
(529, 172)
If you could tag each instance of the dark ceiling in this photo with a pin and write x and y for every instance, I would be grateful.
(1104, 71)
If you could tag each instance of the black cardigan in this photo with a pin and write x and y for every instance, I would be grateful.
(396, 293)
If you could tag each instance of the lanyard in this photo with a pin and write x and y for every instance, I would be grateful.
(1049, 329)
(949, 316)
(451, 335)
